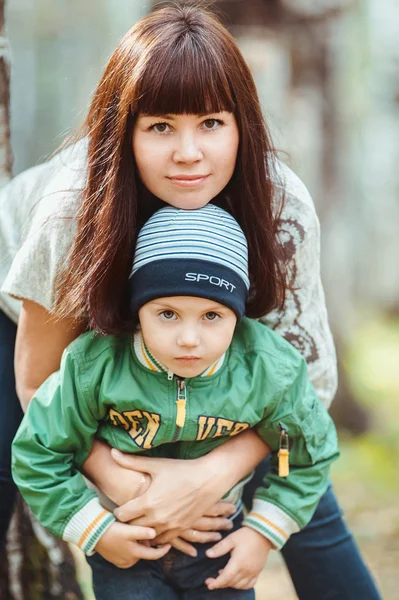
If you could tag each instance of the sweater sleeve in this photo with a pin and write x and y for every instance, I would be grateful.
(52, 441)
(304, 321)
(284, 505)
(48, 198)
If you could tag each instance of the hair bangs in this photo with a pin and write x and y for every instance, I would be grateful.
(194, 82)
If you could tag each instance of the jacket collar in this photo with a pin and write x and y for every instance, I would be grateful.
(147, 359)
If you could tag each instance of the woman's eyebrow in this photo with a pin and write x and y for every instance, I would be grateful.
(156, 114)
(172, 118)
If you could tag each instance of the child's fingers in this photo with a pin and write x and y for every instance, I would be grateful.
(225, 579)
(149, 553)
(137, 532)
(221, 548)
(184, 547)
(244, 583)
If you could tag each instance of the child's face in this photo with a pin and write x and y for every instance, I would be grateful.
(187, 334)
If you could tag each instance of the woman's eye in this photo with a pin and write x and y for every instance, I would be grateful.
(160, 127)
(211, 124)
(168, 315)
(211, 316)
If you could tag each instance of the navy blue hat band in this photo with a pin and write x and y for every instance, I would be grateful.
(188, 277)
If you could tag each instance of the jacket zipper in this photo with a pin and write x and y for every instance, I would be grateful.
(181, 407)
(283, 453)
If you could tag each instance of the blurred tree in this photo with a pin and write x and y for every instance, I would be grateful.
(33, 564)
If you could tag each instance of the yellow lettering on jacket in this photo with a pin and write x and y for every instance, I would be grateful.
(145, 439)
(238, 427)
(142, 426)
(117, 419)
(212, 427)
(205, 425)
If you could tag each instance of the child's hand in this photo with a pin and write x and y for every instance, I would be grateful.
(249, 552)
(120, 545)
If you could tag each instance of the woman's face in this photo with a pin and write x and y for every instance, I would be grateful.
(186, 160)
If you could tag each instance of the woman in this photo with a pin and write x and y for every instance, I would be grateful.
(175, 119)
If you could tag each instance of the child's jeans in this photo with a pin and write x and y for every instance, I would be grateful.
(173, 577)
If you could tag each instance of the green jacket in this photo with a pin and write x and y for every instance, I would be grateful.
(113, 389)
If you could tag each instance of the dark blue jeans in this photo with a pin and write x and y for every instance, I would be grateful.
(10, 418)
(323, 559)
(176, 576)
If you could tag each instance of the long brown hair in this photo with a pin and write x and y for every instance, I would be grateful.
(178, 59)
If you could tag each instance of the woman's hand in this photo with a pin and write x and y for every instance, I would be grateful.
(182, 491)
(206, 529)
(118, 483)
(121, 485)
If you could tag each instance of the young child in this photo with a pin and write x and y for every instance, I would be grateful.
(194, 373)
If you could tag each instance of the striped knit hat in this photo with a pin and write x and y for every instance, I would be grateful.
(199, 253)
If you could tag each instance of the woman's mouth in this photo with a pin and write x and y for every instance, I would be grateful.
(188, 180)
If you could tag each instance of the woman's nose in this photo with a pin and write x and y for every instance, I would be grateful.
(187, 149)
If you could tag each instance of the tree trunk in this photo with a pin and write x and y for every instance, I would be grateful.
(33, 564)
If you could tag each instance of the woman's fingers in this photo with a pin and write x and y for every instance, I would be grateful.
(170, 502)
(221, 509)
(184, 547)
(213, 524)
(131, 510)
(200, 537)
(134, 462)
(167, 536)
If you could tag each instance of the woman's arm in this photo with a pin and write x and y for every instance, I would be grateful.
(304, 321)
(41, 340)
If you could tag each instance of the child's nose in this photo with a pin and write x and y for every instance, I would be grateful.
(188, 338)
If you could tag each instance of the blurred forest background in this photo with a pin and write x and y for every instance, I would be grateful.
(328, 76)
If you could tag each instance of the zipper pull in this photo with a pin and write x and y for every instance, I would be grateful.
(170, 375)
(283, 454)
(181, 403)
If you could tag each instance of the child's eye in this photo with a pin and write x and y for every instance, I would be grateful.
(212, 124)
(211, 316)
(168, 315)
(160, 127)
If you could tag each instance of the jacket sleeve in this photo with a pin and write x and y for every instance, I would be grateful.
(52, 441)
(284, 505)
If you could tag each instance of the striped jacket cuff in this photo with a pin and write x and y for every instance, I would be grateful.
(272, 522)
(88, 525)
